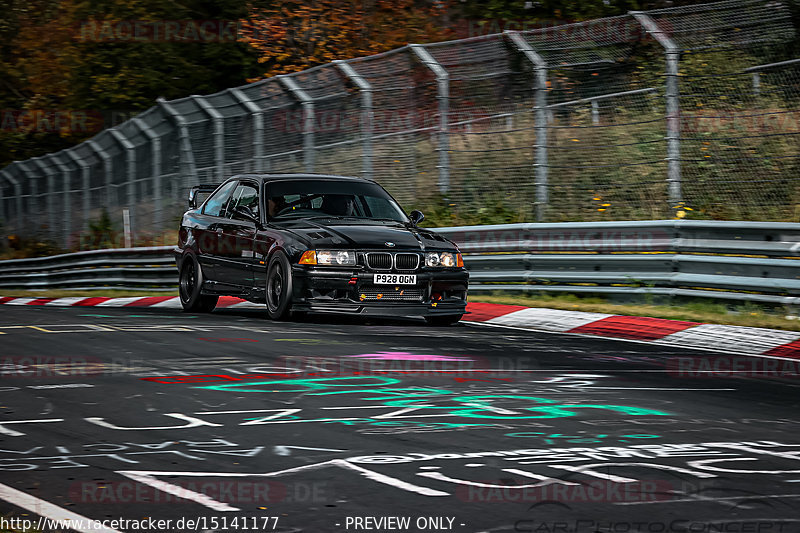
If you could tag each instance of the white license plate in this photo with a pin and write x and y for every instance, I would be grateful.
(396, 279)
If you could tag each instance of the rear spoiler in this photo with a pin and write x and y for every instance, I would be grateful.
(203, 187)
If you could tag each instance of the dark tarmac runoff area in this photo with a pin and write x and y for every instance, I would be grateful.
(158, 420)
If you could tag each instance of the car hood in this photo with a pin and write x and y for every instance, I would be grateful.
(374, 235)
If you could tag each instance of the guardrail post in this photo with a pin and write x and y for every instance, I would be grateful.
(86, 184)
(219, 133)
(365, 89)
(308, 119)
(672, 105)
(443, 95)
(66, 220)
(111, 195)
(50, 192)
(258, 127)
(540, 120)
(130, 161)
(186, 154)
(155, 155)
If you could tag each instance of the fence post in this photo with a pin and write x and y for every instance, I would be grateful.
(186, 154)
(107, 170)
(32, 196)
(67, 218)
(51, 191)
(85, 180)
(130, 161)
(308, 119)
(155, 155)
(258, 127)
(443, 95)
(365, 89)
(17, 197)
(219, 134)
(540, 121)
(672, 105)
(3, 209)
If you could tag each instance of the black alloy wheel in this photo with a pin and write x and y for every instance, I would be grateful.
(190, 282)
(279, 287)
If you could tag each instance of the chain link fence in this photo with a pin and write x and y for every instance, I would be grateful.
(689, 111)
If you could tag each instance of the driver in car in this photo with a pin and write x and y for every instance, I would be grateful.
(338, 205)
(276, 204)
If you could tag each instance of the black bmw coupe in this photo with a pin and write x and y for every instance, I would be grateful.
(316, 243)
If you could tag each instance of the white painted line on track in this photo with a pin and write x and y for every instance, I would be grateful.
(119, 302)
(245, 305)
(21, 301)
(723, 337)
(548, 319)
(726, 498)
(48, 510)
(649, 343)
(172, 303)
(67, 301)
(180, 492)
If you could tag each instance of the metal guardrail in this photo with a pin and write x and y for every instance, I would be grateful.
(756, 261)
(146, 268)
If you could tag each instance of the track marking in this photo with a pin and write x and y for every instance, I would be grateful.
(726, 498)
(48, 510)
(649, 343)
(149, 478)
(284, 450)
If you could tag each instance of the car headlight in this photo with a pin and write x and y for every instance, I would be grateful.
(443, 259)
(328, 257)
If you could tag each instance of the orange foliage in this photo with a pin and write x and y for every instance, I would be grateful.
(292, 36)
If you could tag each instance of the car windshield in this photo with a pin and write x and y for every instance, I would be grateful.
(331, 199)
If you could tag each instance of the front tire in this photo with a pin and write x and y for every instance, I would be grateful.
(279, 287)
(446, 320)
(190, 282)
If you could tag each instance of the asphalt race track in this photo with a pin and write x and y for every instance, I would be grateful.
(230, 422)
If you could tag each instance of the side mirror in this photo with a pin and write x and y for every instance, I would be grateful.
(416, 217)
(245, 213)
(193, 198)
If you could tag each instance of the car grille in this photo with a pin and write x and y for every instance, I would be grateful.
(385, 261)
(406, 261)
(391, 295)
(379, 260)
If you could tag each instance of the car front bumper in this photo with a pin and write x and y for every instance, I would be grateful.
(436, 293)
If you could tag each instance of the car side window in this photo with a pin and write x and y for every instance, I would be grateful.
(215, 205)
(246, 197)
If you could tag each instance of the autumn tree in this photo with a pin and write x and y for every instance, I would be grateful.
(291, 36)
(49, 62)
